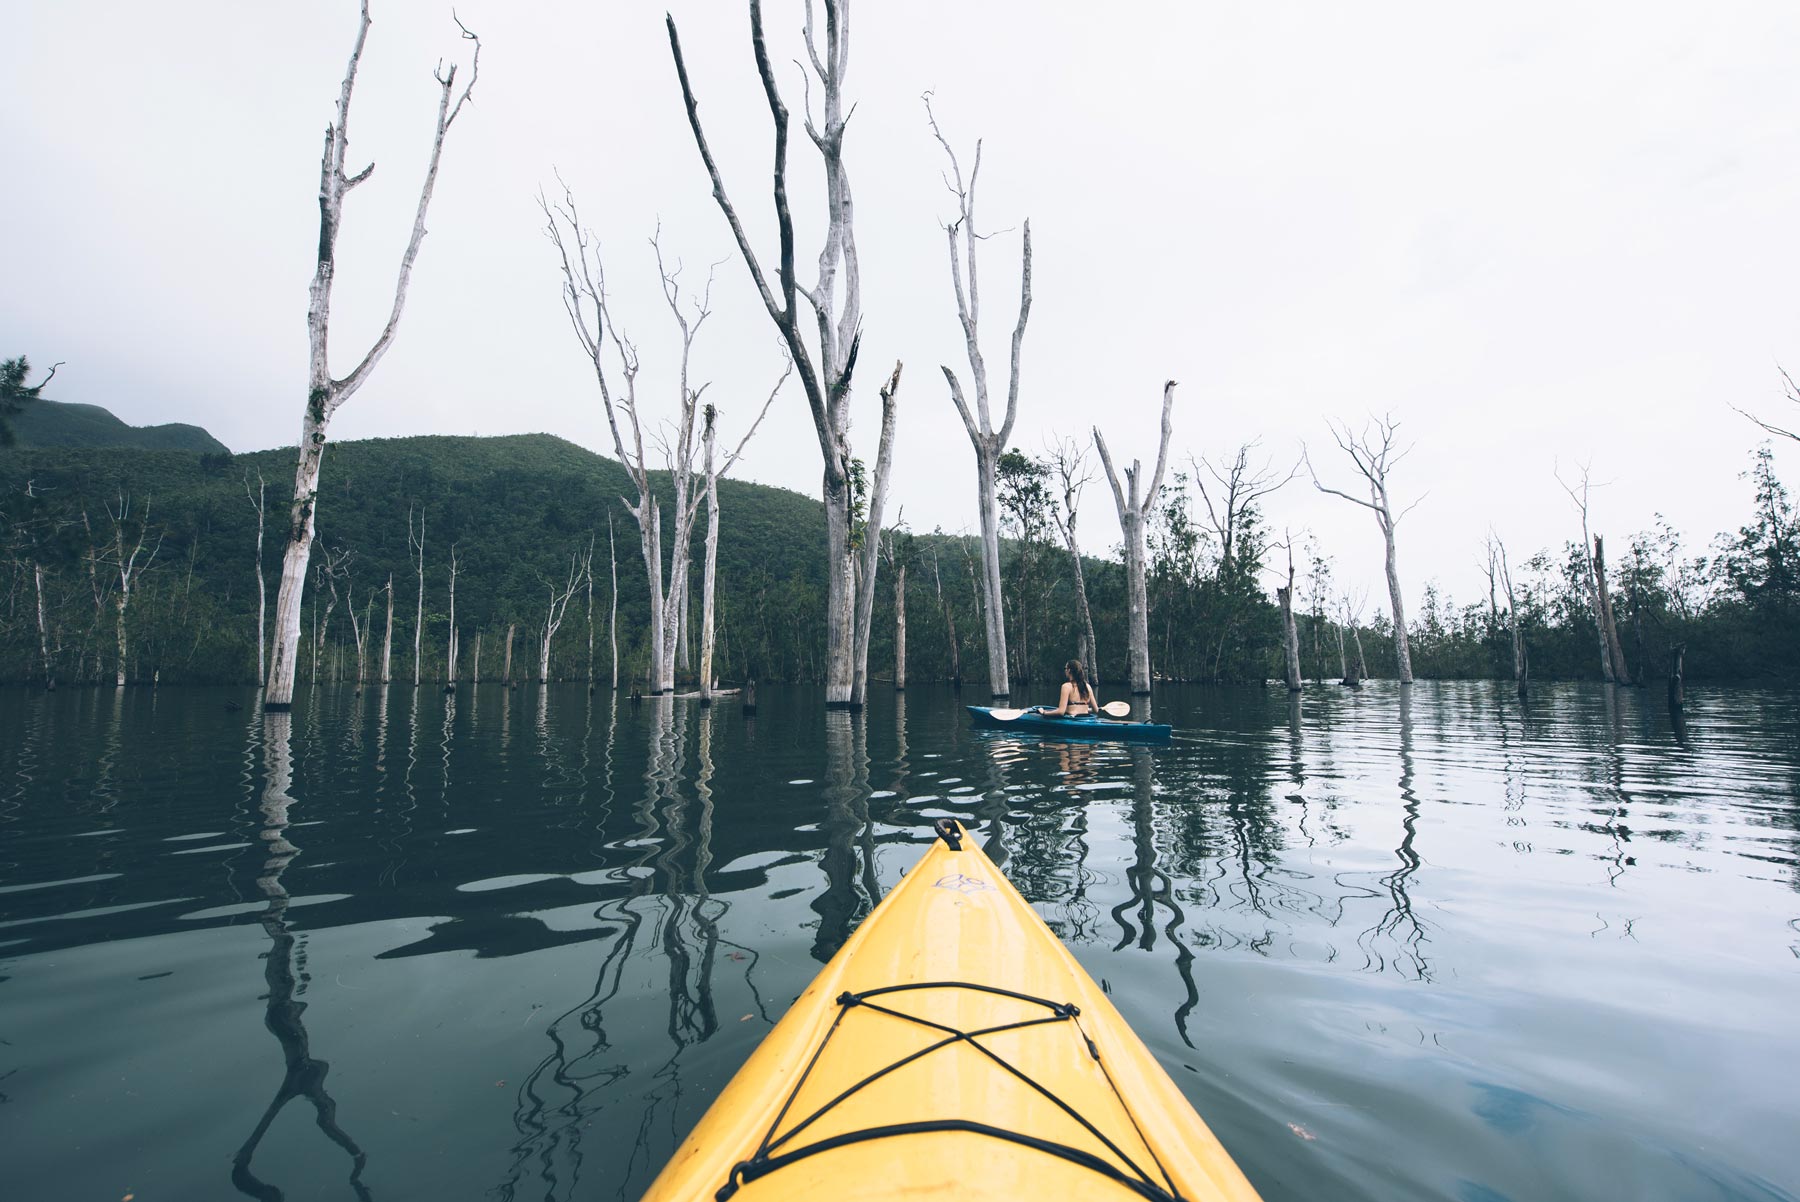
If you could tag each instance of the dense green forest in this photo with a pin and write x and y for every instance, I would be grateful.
(519, 510)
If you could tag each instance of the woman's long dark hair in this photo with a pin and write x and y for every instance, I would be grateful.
(1083, 689)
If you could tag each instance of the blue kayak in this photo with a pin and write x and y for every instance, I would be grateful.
(1030, 722)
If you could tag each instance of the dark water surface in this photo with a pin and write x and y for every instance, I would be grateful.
(511, 945)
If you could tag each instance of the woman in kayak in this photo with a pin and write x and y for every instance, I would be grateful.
(1077, 700)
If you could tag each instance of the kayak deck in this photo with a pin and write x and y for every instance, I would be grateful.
(953, 1048)
(1072, 728)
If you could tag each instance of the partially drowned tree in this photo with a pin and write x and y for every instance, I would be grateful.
(1375, 456)
(616, 363)
(1135, 503)
(825, 373)
(989, 443)
(327, 393)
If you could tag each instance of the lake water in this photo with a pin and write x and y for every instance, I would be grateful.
(511, 944)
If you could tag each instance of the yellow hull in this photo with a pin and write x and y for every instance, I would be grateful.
(952, 952)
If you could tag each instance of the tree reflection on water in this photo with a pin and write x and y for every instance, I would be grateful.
(284, 971)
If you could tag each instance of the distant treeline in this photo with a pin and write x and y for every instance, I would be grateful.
(517, 509)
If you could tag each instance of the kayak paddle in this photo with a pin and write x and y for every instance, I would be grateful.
(1112, 709)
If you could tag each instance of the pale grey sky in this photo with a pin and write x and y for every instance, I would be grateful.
(1530, 231)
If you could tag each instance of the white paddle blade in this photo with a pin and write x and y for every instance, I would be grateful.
(1116, 709)
(1004, 715)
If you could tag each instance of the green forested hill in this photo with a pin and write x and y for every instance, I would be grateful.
(45, 423)
(516, 508)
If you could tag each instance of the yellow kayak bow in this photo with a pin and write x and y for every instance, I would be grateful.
(953, 1048)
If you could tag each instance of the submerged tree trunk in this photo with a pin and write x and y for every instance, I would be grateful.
(1290, 636)
(326, 393)
(450, 651)
(825, 374)
(1375, 457)
(987, 442)
(871, 543)
(129, 568)
(900, 629)
(262, 591)
(418, 546)
(1512, 614)
(710, 575)
(1134, 515)
(37, 576)
(559, 605)
(612, 613)
(387, 640)
(1614, 648)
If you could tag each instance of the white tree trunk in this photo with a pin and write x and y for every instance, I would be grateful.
(988, 443)
(1134, 514)
(419, 618)
(1290, 637)
(1375, 456)
(262, 591)
(387, 641)
(871, 548)
(1402, 647)
(993, 610)
(708, 580)
(506, 671)
(825, 373)
(475, 674)
(37, 575)
(326, 393)
(900, 629)
(612, 613)
(1138, 605)
(450, 651)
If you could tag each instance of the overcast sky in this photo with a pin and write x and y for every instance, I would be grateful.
(1529, 231)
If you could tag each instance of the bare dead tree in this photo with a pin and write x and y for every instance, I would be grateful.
(1614, 647)
(825, 375)
(1290, 634)
(451, 650)
(126, 561)
(612, 613)
(416, 542)
(1068, 463)
(327, 393)
(387, 641)
(1375, 456)
(1520, 667)
(1789, 390)
(1578, 495)
(989, 443)
(359, 631)
(1240, 486)
(897, 552)
(869, 538)
(1353, 612)
(591, 316)
(708, 587)
(587, 570)
(262, 592)
(335, 566)
(559, 605)
(1135, 504)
